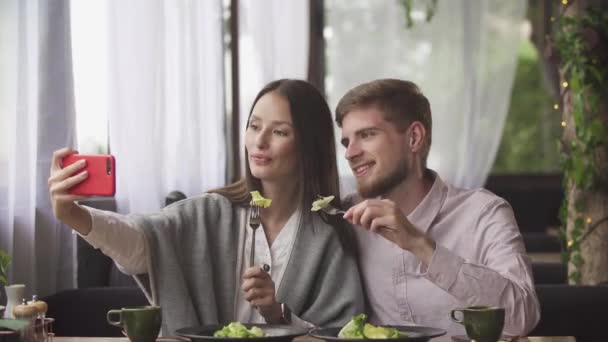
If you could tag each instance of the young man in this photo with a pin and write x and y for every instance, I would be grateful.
(426, 247)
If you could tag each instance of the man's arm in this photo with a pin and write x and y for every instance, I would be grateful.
(502, 276)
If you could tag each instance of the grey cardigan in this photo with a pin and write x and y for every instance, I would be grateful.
(194, 253)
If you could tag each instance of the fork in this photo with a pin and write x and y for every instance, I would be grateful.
(331, 210)
(254, 223)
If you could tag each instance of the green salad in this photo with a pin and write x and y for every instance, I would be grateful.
(259, 200)
(358, 328)
(237, 330)
(321, 203)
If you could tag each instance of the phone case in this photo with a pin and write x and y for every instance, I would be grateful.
(102, 174)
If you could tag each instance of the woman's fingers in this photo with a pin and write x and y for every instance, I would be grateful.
(67, 198)
(258, 287)
(61, 174)
(250, 283)
(258, 293)
(58, 157)
(58, 188)
(262, 302)
(255, 271)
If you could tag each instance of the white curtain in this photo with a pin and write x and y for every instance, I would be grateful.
(166, 99)
(464, 61)
(36, 118)
(273, 44)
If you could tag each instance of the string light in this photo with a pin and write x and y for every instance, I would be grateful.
(565, 2)
(556, 106)
(588, 220)
(563, 123)
(570, 243)
(565, 84)
(552, 19)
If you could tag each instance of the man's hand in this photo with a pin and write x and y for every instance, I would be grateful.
(385, 218)
(260, 292)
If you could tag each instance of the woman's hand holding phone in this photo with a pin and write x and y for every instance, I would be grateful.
(61, 180)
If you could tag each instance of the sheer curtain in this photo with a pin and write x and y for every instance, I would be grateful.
(273, 44)
(464, 61)
(36, 118)
(166, 99)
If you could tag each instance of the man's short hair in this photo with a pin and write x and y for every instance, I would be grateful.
(401, 103)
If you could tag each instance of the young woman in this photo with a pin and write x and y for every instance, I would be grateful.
(192, 257)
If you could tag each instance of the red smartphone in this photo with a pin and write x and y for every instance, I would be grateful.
(102, 174)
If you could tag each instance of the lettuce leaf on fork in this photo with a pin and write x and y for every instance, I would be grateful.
(321, 203)
(259, 200)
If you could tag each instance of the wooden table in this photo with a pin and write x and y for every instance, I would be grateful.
(444, 338)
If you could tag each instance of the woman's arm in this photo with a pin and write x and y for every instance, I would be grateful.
(119, 238)
(114, 234)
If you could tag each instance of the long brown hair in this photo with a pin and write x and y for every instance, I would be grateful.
(315, 149)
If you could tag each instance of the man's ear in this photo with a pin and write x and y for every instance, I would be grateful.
(417, 135)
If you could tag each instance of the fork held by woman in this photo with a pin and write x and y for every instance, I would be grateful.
(254, 223)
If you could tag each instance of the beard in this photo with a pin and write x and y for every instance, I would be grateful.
(384, 184)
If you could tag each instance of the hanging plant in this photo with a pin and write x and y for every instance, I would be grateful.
(580, 47)
(431, 6)
(5, 261)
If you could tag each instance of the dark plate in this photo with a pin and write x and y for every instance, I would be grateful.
(414, 334)
(275, 333)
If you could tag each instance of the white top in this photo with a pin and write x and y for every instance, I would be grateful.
(119, 238)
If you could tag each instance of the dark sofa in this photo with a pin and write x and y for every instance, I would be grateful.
(82, 312)
(580, 311)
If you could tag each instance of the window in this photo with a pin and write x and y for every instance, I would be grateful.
(532, 128)
(90, 67)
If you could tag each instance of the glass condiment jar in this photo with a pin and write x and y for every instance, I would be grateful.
(40, 323)
(25, 311)
(41, 307)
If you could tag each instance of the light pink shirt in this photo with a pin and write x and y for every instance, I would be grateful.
(480, 259)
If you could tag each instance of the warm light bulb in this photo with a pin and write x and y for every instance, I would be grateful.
(565, 2)
(565, 84)
(563, 123)
(570, 243)
(588, 220)
(556, 106)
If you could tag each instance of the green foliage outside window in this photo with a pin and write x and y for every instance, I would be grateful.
(5, 261)
(533, 127)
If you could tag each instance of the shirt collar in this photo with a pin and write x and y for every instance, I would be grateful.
(426, 211)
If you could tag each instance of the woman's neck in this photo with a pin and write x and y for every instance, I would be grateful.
(285, 200)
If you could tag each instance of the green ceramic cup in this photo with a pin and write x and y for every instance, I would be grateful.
(141, 323)
(482, 323)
